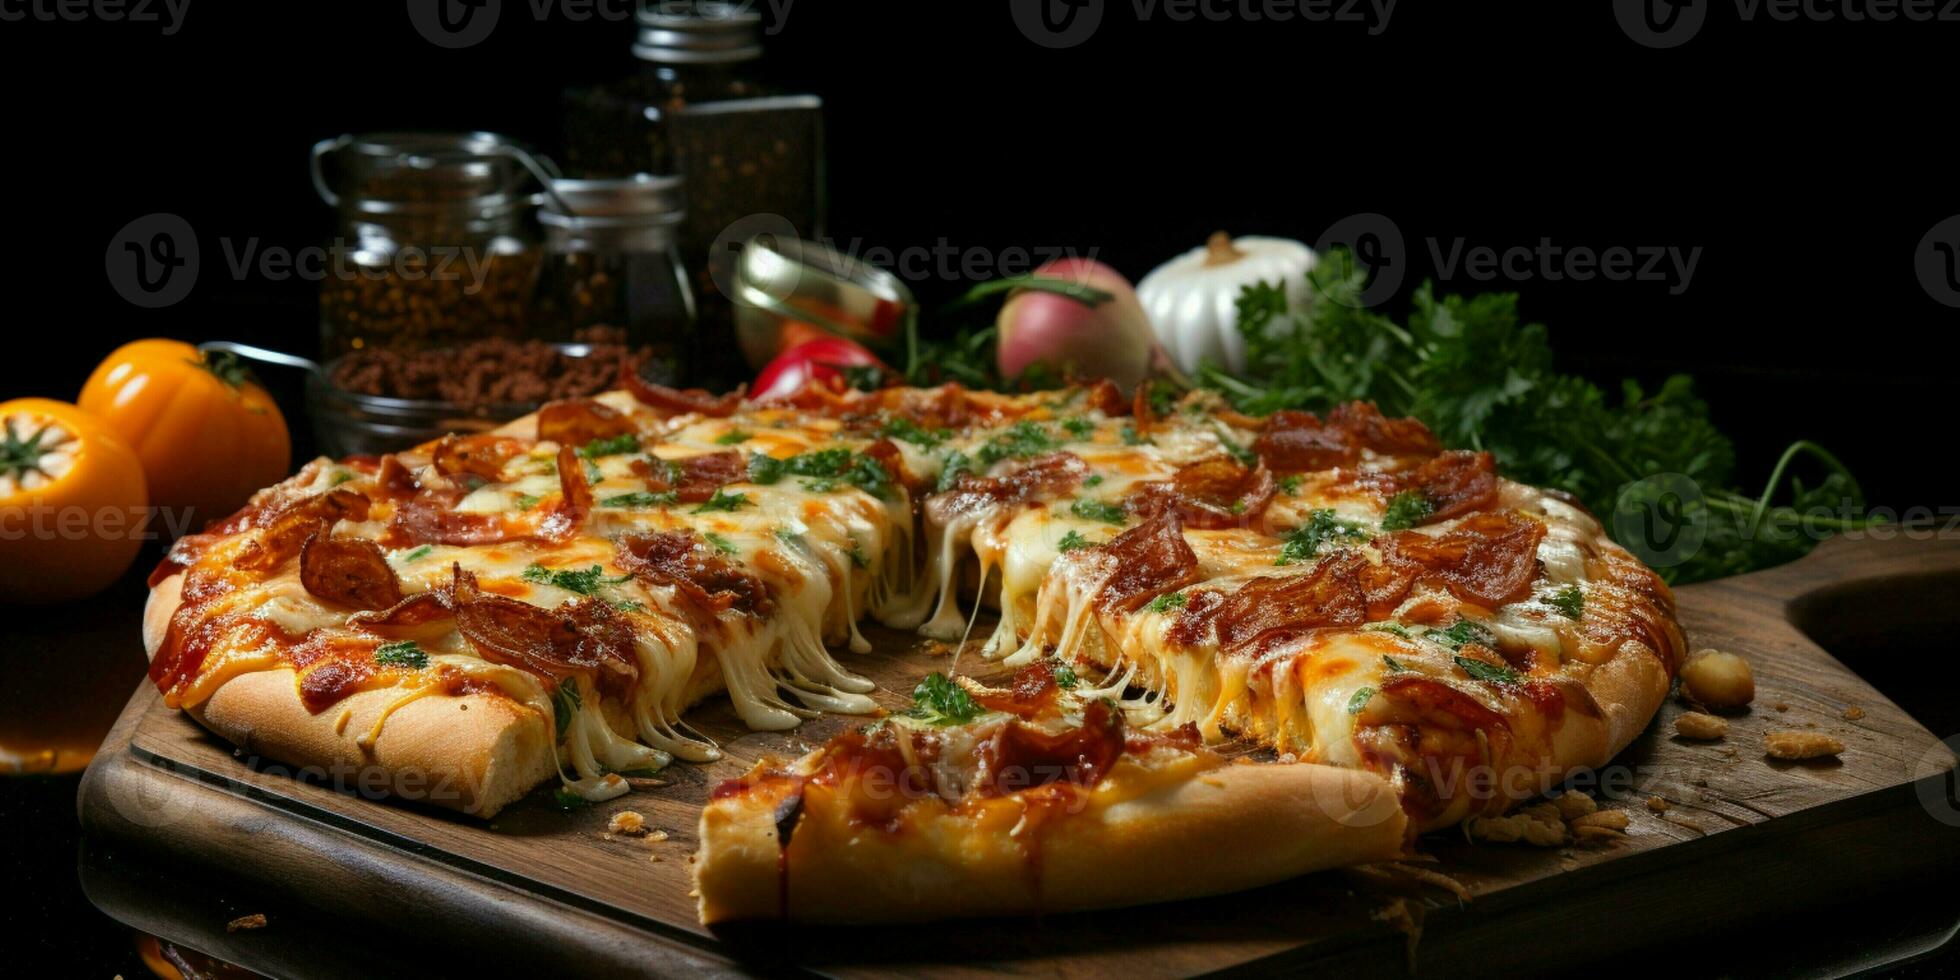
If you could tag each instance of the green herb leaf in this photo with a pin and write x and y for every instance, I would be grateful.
(733, 437)
(1460, 634)
(1290, 485)
(1478, 670)
(1395, 628)
(1132, 438)
(402, 654)
(722, 501)
(900, 427)
(955, 466)
(1078, 426)
(526, 501)
(941, 701)
(624, 443)
(1571, 601)
(1360, 700)
(1321, 527)
(1394, 666)
(1099, 510)
(586, 581)
(1167, 602)
(1065, 677)
(1071, 541)
(1092, 480)
(565, 703)
(417, 554)
(1406, 510)
(640, 499)
(721, 544)
(1026, 438)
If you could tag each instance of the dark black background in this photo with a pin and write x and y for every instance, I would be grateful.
(1801, 157)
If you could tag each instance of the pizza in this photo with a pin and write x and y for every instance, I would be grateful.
(1405, 638)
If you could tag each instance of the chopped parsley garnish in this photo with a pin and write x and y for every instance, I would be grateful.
(1071, 541)
(1246, 457)
(1478, 670)
(1360, 700)
(339, 477)
(526, 501)
(1571, 601)
(940, 701)
(858, 557)
(402, 654)
(819, 486)
(624, 443)
(827, 467)
(418, 554)
(565, 702)
(1407, 509)
(955, 466)
(1394, 666)
(1099, 510)
(1396, 628)
(592, 472)
(1322, 527)
(900, 427)
(733, 437)
(586, 581)
(1461, 633)
(1024, 439)
(1168, 601)
(1132, 438)
(1092, 480)
(640, 498)
(1078, 426)
(1290, 485)
(722, 501)
(722, 544)
(1064, 676)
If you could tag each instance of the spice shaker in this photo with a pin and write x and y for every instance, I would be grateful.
(751, 153)
(435, 241)
(610, 262)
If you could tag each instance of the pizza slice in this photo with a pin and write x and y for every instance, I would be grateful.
(1027, 798)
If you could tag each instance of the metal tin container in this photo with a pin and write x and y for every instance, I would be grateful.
(780, 281)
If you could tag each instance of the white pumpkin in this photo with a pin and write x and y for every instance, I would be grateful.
(1191, 300)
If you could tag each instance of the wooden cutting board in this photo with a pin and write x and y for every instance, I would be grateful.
(543, 889)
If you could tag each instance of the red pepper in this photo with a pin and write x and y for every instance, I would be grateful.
(833, 363)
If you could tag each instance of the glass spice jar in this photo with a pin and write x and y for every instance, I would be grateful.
(435, 240)
(610, 262)
(751, 152)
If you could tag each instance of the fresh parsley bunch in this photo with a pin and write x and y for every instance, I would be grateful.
(1481, 379)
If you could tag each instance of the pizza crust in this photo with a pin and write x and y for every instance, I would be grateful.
(1274, 822)
(474, 753)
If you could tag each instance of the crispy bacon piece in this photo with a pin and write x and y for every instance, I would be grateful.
(702, 475)
(394, 480)
(1043, 476)
(1489, 559)
(584, 637)
(347, 571)
(675, 401)
(1103, 396)
(285, 533)
(887, 453)
(1020, 757)
(1276, 609)
(1455, 483)
(704, 579)
(1292, 442)
(1145, 561)
(1146, 415)
(577, 421)
(1032, 692)
(481, 455)
(430, 517)
(575, 498)
(1216, 492)
(410, 613)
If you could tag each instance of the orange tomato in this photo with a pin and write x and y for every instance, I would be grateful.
(207, 434)
(72, 502)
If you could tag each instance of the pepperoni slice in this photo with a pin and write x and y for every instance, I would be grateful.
(1273, 610)
(1292, 442)
(1212, 493)
(700, 476)
(481, 455)
(1146, 561)
(1454, 483)
(348, 572)
(1489, 559)
(676, 401)
(1369, 429)
(586, 637)
(705, 579)
(1103, 396)
(285, 533)
(430, 517)
(577, 421)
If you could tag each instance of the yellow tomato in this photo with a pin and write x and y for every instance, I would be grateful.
(72, 502)
(208, 436)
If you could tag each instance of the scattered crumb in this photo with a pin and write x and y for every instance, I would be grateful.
(254, 921)
(1718, 680)
(1572, 805)
(1608, 819)
(1656, 804)
(656, 836)
(937, 648)
(1800, 745)
(1780, 706)
(1697, 725)
(1853, 713)
(628, 822)
(1675, 818)
(1515, 827)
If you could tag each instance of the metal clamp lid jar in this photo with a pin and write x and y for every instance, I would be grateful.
(611, 267)
(435, 241)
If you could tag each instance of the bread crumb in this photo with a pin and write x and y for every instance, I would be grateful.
(1718, 680)
(628, 822)
(1676, 818)
(1521, 826)
(1853, 713)
(1697, 725)
(1572, 805)
(1800, 745)
(254, 921)
(1780, 706)
(1656, 804)
(1608, 819)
